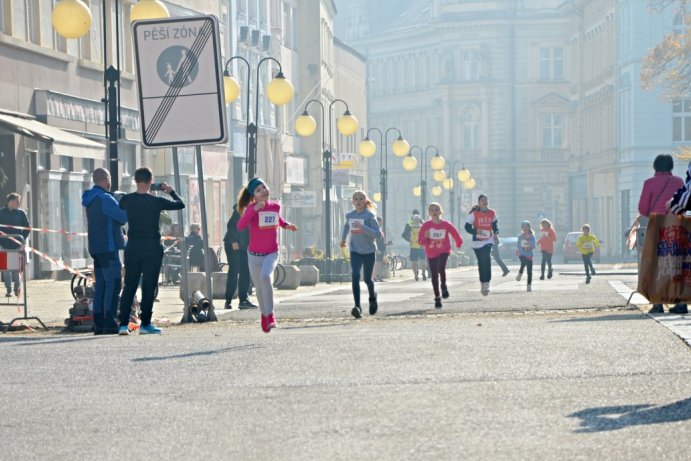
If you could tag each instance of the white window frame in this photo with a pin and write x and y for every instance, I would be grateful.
(552, 131)
(470, 129)
(681, 120)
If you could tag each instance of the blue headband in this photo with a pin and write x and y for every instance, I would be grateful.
(253, 184)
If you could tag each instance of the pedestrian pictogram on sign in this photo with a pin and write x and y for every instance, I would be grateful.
(181, 99)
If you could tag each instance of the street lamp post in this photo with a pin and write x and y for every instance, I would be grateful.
(72, 19)
(347, 125)
(452, 191)
(279, 91)
(465, 179)
(423, 176)
(400, 148)
(423, 172)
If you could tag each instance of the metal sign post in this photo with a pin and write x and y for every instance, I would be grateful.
(180, 81)
(181, 101)
(186, 316)
(205, 234)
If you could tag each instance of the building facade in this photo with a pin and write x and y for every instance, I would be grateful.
(540, 99)
(486, 83)
(53, 117)
(618, 127)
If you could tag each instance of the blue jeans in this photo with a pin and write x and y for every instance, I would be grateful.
(108, 273)
(9, 277)
(364, 262)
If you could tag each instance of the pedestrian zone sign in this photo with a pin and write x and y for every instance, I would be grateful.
(180, 78)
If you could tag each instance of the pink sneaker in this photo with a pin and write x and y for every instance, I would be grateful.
(272, 321)
(265, 324)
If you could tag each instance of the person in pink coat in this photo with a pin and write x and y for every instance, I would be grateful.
(435, 236)
(263, 216)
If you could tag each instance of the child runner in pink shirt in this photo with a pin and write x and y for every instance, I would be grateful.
(434, 236)
(263, 216)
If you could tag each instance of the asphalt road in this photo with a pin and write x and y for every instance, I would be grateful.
(563, 372)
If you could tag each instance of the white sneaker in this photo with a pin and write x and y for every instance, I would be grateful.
(518, 277)
(530, 288)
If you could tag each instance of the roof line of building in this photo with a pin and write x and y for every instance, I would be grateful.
(340, 43)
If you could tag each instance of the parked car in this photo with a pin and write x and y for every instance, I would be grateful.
(507, 247)
(571, 250)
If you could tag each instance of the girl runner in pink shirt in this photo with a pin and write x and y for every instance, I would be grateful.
(434, 236)
(263, 216)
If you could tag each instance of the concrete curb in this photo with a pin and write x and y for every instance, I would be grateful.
(678, 324)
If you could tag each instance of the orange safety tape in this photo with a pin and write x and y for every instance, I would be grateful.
(51, 231)
(53, 260)
(63, 232)
(61, 264)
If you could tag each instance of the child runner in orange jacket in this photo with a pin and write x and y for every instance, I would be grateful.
(546, 243)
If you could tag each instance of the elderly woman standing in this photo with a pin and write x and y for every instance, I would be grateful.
(657, 191)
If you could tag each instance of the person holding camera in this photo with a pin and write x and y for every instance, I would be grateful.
(144, 252)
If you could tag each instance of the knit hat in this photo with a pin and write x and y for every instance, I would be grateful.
(253, 184)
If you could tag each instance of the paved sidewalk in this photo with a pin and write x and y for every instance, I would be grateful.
(678, 324)
(50, 300)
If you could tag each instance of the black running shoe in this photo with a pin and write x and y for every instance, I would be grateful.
(549, 274)
(437, 303)
(444, 292)
(679, 309)
(373, 306)
(542, 277)
(656, 309)
(356, 312)
(587, 280)
(247, 304)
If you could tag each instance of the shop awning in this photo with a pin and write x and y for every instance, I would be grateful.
(63, 142)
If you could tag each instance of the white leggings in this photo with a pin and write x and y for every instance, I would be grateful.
(262, 273)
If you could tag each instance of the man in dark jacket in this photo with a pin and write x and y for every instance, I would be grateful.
(235, 243)
(104, 220)
(144, 252)
(12, 215)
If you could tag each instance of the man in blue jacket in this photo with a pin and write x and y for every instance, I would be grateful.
(105, 219)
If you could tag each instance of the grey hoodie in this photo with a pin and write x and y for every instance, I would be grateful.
(361, 240)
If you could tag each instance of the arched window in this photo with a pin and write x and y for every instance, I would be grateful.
(470, 129)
